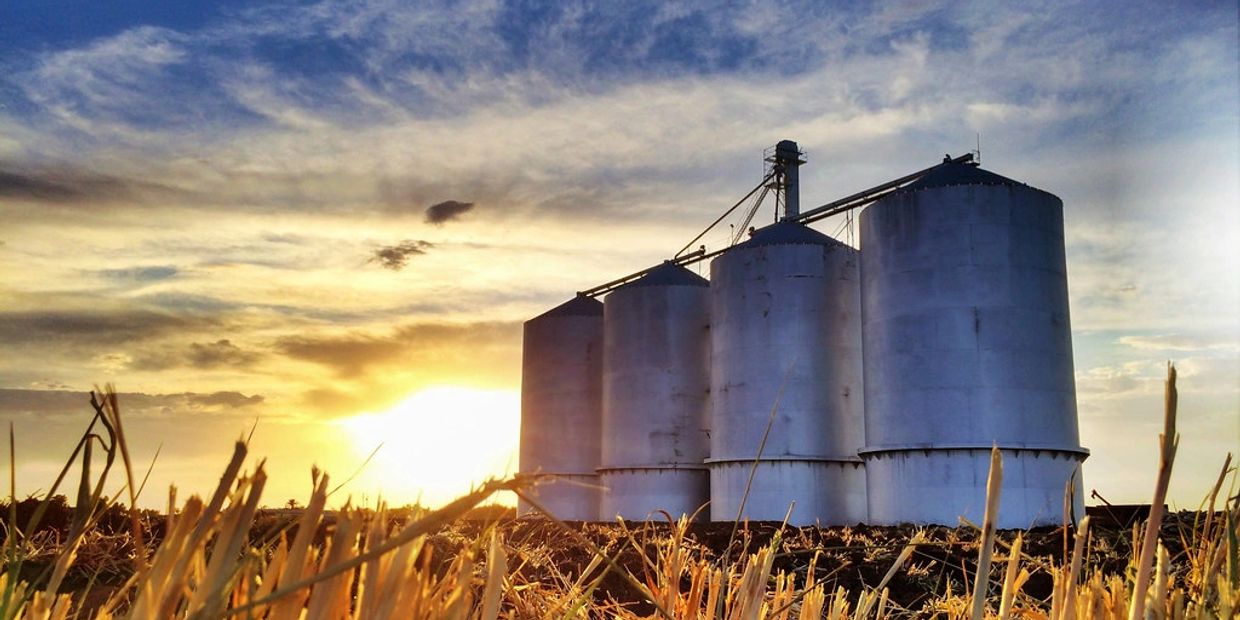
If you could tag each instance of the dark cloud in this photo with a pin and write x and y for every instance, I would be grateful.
(395, 257)
(101, 327)
(447, 211)
(50, 403)
(205, 356)
(72, 185)
(430, 347)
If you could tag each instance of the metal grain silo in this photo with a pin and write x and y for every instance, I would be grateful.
(786, 335)
(561, 407)
(967, 345)
(655, 395)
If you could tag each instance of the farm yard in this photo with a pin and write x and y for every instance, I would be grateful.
(551, 567)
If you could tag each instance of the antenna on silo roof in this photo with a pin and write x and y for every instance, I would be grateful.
(977, 152)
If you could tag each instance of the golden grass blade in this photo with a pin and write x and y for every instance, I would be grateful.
(1074, 571)
(112, 416)
(1161, 582)
(1010, 584)
(234, 529)
(1168, 440)
(497, 568)
(431, 522)
(994, 488)
(329, 597)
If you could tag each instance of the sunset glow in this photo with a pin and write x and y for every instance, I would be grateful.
(436, 444)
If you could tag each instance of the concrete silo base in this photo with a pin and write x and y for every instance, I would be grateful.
(638, 493)
(569, 497)
(939, 485)
(825, 492)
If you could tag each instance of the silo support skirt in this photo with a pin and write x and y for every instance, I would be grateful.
(640, 493)
(818, 491)
(940, 486)
(567, 496)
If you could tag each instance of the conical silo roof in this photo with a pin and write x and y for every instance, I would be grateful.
(580, 305)
(787, 233)
(669, 274)
(958, 173)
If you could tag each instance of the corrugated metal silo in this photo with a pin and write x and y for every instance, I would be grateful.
(786, 329)
(655, 395)
(967, 345)
(561, 407)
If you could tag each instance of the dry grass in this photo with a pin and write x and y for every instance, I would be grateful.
(207, 563)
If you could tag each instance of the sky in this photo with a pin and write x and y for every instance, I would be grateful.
(324, 222)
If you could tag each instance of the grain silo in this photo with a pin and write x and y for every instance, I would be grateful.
(656, 385)
(561, 407)
(967, 345)
(786, 337)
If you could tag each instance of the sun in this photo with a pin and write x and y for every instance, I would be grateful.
(436, 444)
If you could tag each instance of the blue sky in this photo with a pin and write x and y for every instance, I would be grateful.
(194, 194)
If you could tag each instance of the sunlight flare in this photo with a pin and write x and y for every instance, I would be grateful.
(437, 442)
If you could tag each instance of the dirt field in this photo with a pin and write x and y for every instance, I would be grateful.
(541, 552)
(850, 557)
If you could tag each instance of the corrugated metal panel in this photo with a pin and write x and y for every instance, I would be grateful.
(655, 395)
(786, 336)
(561, 406)
(967, 344)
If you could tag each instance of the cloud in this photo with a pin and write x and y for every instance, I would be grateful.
(224, 400)
(56, 403)
(100, 327)
(69, 186)
(427, 347)
(395, 257)
(219, 353)
(205, 356)
(349, 355)
(446, 211)
(1120, 381)
(140, 274)
(1177, 342)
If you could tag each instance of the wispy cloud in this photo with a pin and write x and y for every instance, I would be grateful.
(221, 354)
(66, 403)
(69, 186)
(1180, 342)
(98, 327)
(140, 274)
(429, 347)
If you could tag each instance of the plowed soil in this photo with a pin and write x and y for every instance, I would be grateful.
(854, 558)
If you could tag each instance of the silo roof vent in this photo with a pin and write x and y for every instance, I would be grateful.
(958, 173)
(580, 305)
(669, 274)
(787, 233)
